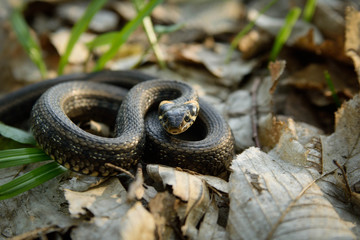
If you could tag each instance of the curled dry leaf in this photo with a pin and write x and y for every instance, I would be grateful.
(276, 70)
(192, 191)
(270, 198)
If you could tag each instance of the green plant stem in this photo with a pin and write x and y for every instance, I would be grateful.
(150, 33)
(246, 29)
(284, 32)
(20, 156)
(332, 88)
(78, 29)
(30, 180)
(27, 41)
(309, 10)
(121, 37)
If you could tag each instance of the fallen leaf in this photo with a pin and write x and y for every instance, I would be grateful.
(270, 198)
(163, 208)
(214, 60)
(352, 43)
(107, 199)
(343, 145)
(190, 189)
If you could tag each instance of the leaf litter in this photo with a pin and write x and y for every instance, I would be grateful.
(303, 184)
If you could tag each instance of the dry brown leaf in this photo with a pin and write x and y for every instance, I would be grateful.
(343, 146)
(209, 229)
(111, 216)
(80, 52)
(190, 189)
(352, 43)
(213, 16)
(276, 70)
(270, 198)
(215, 61)
(136, 189)
(100, 201)
(312, 78)
(163, 208)
(40, 208)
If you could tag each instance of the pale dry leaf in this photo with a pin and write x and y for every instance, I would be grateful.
(289, 140)
(215, 182)
(190, 189)
(292, 142)
(102, 200)
(209, 227)
(270, 130)
(214, 17)
(215, 61)
(40, 207)
(343, 146)
(270, 198)
(133, 223)
(138, 224)
(79, 182)
(136, 189)
(112, 217)
(162, 208)
(352, 42)
(80, 52)
(273, 26)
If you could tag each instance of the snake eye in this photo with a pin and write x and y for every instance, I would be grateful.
(187, 118)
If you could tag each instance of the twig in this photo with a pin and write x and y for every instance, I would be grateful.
(348, 190)
(119, 169)
(253, 114)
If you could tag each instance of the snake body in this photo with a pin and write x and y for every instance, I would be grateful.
(138, 134)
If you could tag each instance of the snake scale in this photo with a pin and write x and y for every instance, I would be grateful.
(57, 105)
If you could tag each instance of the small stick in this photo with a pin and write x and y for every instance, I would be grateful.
(348, 190)
(119, 169)
(254, 112)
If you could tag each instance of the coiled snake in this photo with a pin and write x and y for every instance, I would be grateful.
(207, 147)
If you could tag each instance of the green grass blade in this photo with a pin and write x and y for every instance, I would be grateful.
(27, 41)
(30, 180)
(284, 32)
(150, 33)
(16, 134)
(309, 10)
(20, 156)
(78, 29)
(246, 29)
(101, 40)
(332, 88)
(121, 37)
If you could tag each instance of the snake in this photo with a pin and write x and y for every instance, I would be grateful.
(156, 121)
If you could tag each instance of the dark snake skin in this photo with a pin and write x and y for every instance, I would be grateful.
(207, 147)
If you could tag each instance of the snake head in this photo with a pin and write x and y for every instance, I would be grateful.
(176, 118)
